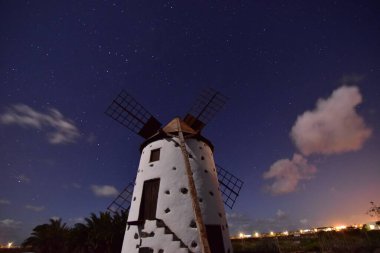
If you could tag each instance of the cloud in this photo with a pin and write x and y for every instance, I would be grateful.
(280, 214)
(287, 174)
(35, 208)
(76, 220)
(9, 223)
(72, 186)
(60, 129)
(104, 190)
(22, 178)
(4, 202)
(333, 126)
(55, 218)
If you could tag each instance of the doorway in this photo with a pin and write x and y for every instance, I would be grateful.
(148, 205)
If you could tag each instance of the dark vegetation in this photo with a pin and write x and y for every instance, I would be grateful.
(101, 233)
(349, 241)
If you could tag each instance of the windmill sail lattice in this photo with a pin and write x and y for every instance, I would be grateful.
(128, 112)
(123, 201)
(230, 186)
(205, 108)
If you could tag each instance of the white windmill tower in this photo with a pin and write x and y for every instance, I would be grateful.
(176, 202)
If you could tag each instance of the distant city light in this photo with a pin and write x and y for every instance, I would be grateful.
(9, 245)
(299, 232)
(242, 235)
(341, 227)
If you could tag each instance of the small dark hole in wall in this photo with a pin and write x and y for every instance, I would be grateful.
(151, 165)
(167, 192)
(206, 171)
(162, 251)
(136, 236)
(193, 224)
(176, 145)
(200, 147)
(202, 158)
(220, 215)
(184, 190)
(194, 244)
(200, 200)
(151, 234)
(134, 198)
(174, 168)
(190, 156)
(211, 193)
(167, 210)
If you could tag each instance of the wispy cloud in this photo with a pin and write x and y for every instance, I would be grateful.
(76, 220)
(60, 130)
(4, 202)
(35, 208)
(10, 223)
(333, 127)
(104, 190)
(22, 178)
(72, 186)
(288, 173)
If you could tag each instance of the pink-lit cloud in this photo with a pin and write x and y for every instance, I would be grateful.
(286, 174)
(333, 126)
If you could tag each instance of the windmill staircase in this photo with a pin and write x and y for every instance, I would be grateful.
(157, 230)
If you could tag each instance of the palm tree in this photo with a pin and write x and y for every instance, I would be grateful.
(78, 239)
(48, 238)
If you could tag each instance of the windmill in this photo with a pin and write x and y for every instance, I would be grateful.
(176, 200)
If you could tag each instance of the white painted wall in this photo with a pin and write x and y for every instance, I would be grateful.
(170, 168)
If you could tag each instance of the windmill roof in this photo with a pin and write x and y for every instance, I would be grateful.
(173, 127)
(177, 124)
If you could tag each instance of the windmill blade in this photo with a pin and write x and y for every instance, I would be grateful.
(230, 186)
(123, 201)
(128, 112)
(205, 108)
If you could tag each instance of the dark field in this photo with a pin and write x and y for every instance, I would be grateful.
(355, 241)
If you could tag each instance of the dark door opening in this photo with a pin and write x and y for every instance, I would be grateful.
(145, 250)
(215, 238)
(149, 197)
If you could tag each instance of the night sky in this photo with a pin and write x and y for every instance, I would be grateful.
(301, 126)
